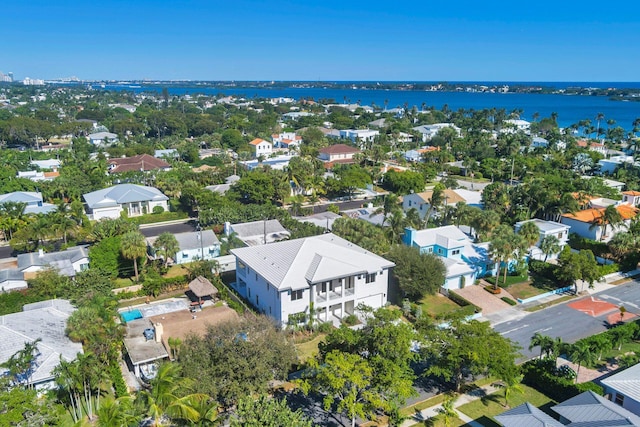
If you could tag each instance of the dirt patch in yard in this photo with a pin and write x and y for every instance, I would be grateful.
(179, 324)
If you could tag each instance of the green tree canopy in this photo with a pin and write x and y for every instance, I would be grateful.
(418, 274)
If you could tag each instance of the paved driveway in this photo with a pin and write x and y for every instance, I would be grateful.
(488, 302)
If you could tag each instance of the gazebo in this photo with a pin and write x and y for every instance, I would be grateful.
(202, 287)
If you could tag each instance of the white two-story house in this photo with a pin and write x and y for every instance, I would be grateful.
(261, 147)
(547, 228)
(131, 198)
(192, 246)
(286, 279)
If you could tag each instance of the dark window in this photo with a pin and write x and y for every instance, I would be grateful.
(296, 295)
(370, 278)
(619, 399)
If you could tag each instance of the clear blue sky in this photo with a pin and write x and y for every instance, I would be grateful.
(560, 40)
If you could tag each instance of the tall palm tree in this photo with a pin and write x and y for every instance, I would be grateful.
(132, 247)
(581, 354)
(549, 245)
(167, 246)
(168, 399)
(610, 217)
(530, 233)
(539, 340)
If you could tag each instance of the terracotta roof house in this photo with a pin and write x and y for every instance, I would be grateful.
(581, 222)
(336, 154)
(261, 147)
(141, 162)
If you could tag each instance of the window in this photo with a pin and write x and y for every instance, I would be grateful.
(257, 300)
(296, 295)
(267, 283)
(619, 399)
(440, 251)
(185, 255)
(249, 292)
(455, 252)
(370, 278)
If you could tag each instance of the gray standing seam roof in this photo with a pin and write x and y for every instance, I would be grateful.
(11, 274)
(626, 382)
(589, 407)
(21, 197)
(526, 415)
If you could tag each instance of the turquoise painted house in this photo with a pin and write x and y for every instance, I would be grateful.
(465, 261)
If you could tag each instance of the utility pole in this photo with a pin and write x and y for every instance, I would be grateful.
(513, 162)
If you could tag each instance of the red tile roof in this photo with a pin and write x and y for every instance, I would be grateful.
(591, 215)
(143, 162)
(338, 149)
(631, 193)
(257, 141)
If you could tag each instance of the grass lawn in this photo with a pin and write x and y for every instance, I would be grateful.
(525, 290)
(482, 410)
(439, 422)
(511, 280)
(123, 283)
(175, 271)
(629, 347)
(436, 305)
(308, 349)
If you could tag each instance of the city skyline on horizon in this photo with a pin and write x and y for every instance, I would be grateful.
(249, 40)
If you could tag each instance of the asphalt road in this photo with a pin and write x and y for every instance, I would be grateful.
(567, 323)
(353, 204)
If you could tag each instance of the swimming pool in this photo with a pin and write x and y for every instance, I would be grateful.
(130, 315)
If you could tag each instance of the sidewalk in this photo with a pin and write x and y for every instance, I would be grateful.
(462, 399)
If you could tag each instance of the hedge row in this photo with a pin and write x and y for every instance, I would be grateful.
(463, 301)
(540, 374)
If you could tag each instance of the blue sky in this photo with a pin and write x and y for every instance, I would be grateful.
(561, 40)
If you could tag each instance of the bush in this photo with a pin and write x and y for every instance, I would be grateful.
(463, 301)
(492, 290)
(119, 386)
(542, 269)
(608, 269)
(325, 327)
(350, 320)
(580, 243)
(541, 375)
(509, 301)
(157, 210)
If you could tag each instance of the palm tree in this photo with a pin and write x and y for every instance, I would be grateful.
(530, 233)
(167, 246)
(448, 410)
(511, 384)
(438, 197)
(167, 398)
(549, 245)
(117, 412)
(621, 244)
(229, 242)
(599, 117)
(581, 354)
(610, 216)
(174, 345)
(543, 341)
(132, 247)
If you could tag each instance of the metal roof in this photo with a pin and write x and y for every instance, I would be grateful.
(526, 415)
(21, 197)
(294, 264)
(122, 193)
(191, 240)
(627, 382)
(591, 408)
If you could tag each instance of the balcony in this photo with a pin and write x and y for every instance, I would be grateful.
(334, 295)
